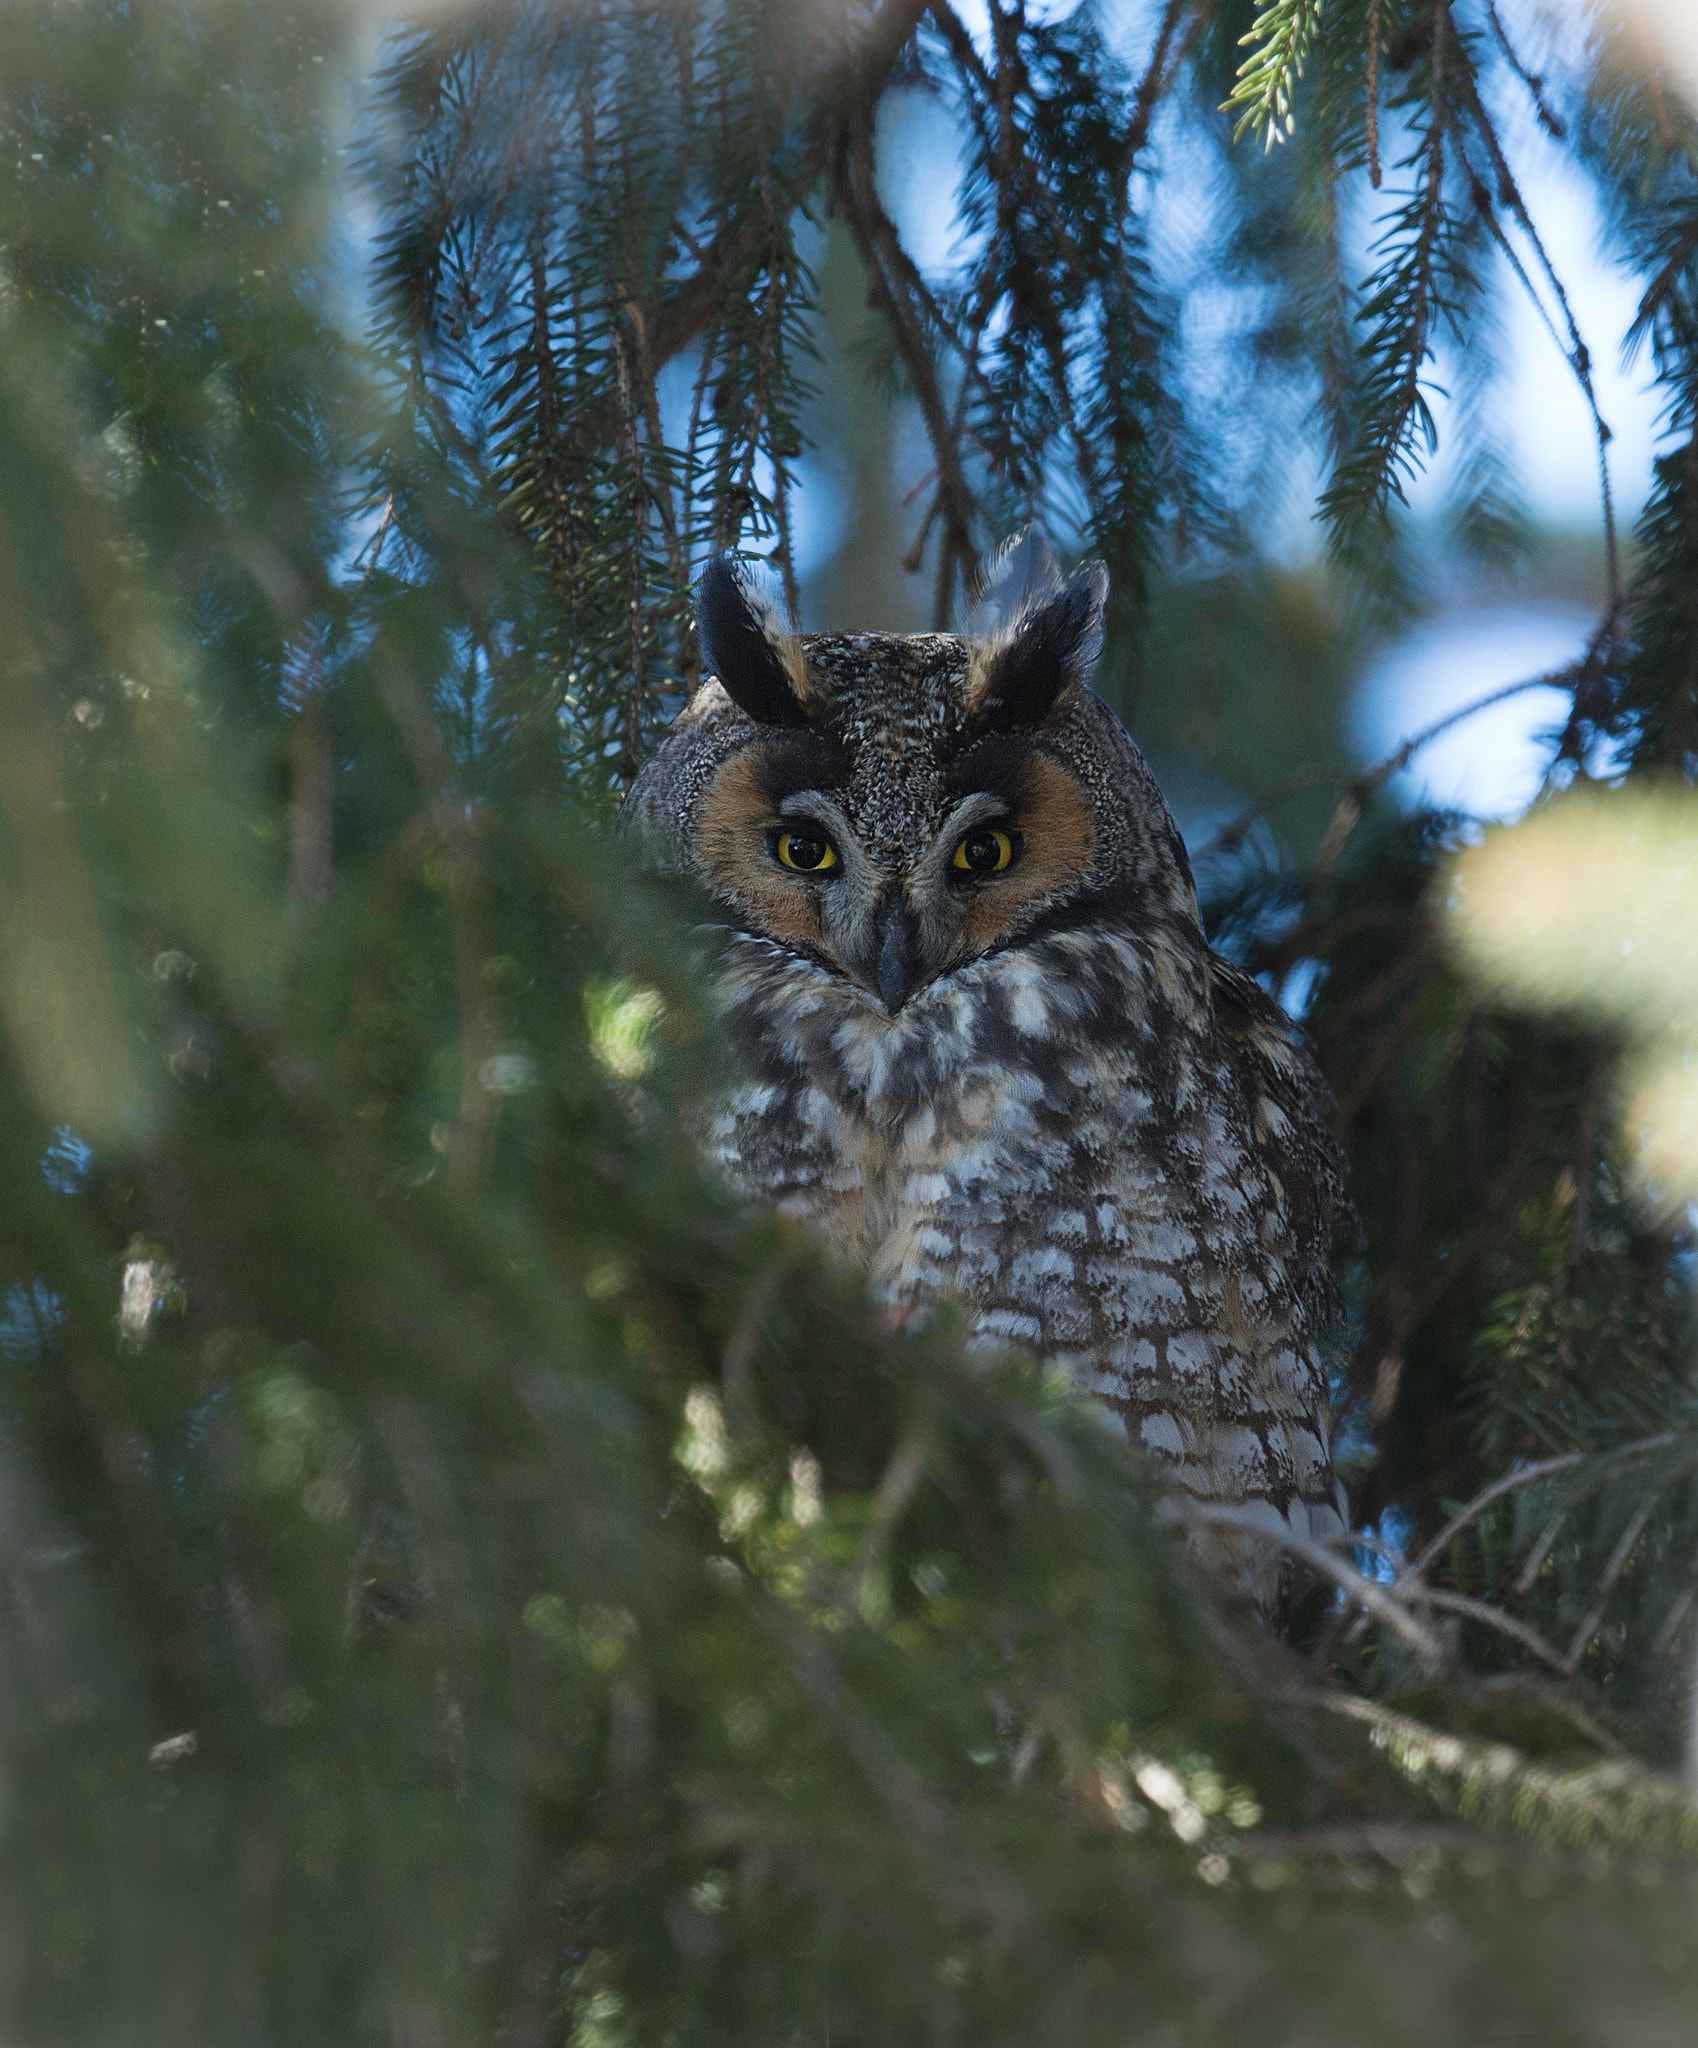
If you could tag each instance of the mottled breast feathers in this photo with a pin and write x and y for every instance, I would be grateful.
(986, 1047)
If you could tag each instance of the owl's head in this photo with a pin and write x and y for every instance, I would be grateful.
(893, 806)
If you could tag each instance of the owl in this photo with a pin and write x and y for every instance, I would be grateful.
(984, 1045)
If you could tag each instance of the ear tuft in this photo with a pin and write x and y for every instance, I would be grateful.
(1018, 579)
(747, 642)
(1044, 649)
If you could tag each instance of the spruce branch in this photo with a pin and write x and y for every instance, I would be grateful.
(1415, 288)
(1279, 41)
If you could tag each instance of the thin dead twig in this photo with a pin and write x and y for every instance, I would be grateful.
(1359, 788)
(1613, 1570)
(1549, 120)
(1529, 1475)
(1492, 1617)
(1379, 1600)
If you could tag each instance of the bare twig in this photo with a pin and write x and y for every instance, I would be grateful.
(1529, 1475)
(1678, 1611)
(1377, 1599)
(1528, 1576)
(1606, 1585)
(1613, 1799)
(1550, 121)
(1494, 1617)
(1578, 356)
(1468, 1515)
(1158, 76)
(1359, 788)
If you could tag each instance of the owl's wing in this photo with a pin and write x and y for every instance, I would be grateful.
(1290, 1109)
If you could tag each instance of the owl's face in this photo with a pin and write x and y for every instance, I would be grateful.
(892, 807)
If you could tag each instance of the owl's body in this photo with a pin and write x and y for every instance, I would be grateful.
(987, 1048)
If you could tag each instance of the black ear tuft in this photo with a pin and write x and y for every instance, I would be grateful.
(1049, 647)
(745, 642)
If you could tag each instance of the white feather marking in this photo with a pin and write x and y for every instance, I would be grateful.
(1161, 1434)
(1168, 1242)
(1136, 1360)
(1028, 1008)
(1146, 1291)
(1050, 1263)
(1009, 1325)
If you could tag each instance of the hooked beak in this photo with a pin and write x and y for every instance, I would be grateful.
(898, 968)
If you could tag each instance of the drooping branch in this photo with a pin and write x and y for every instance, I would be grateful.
(899, 293)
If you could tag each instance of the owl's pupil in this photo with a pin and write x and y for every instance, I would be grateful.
(984, 852)
(806, 853)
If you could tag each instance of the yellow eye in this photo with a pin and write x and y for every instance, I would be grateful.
(804, 852)
(985, 852)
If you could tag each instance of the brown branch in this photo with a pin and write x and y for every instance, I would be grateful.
(680, 314)
(1158, 76)
(1493, 1617)
(1578, 357)
(1552, 123)
(890, 273)
(961, 45)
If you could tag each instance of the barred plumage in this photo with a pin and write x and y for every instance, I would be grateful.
(987, 1048)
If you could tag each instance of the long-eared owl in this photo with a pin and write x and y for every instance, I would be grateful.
(985, 1045)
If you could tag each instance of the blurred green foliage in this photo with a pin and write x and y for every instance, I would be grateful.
(461, 1577)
